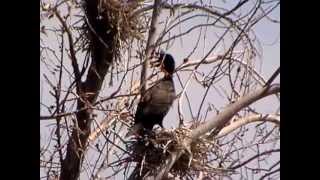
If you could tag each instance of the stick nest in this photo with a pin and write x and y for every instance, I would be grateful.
(151, 152)
(118, 13)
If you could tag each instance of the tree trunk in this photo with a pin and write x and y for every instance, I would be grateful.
(102, 45)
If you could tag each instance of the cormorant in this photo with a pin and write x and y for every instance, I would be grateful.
(156, 101)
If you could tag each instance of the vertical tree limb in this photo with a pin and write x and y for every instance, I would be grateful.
(101, 58)
(150, 43)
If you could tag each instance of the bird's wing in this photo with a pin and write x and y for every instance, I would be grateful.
(144, 101)
(134, 130)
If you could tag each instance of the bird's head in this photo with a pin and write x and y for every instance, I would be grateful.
(165, 62)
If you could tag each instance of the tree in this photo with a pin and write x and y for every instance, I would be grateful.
(94, 58)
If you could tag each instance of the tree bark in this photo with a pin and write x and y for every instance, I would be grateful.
(246, 120)
(101, 47)
(150, 44)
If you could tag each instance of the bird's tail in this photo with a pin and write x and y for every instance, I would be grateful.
(135, 130)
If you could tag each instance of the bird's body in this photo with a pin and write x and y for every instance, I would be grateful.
(156, 101)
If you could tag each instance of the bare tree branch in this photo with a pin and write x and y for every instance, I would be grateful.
(254, 157)
(246, 120)
(72, 52)
(150, 43)
(217, 122)
(274, 75)
(102, 58)
(221, 119)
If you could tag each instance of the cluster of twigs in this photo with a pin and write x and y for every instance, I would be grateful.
(118, 21)
(119, 15)
(152, 150)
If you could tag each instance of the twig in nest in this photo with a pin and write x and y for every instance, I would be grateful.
(142, 163)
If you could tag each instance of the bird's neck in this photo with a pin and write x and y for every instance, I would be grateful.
(168, 76)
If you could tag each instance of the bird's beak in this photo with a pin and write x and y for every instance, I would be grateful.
(155, 63)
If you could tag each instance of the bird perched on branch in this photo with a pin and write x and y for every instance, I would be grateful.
(157, 100)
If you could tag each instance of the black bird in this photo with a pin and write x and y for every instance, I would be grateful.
(157, 100)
